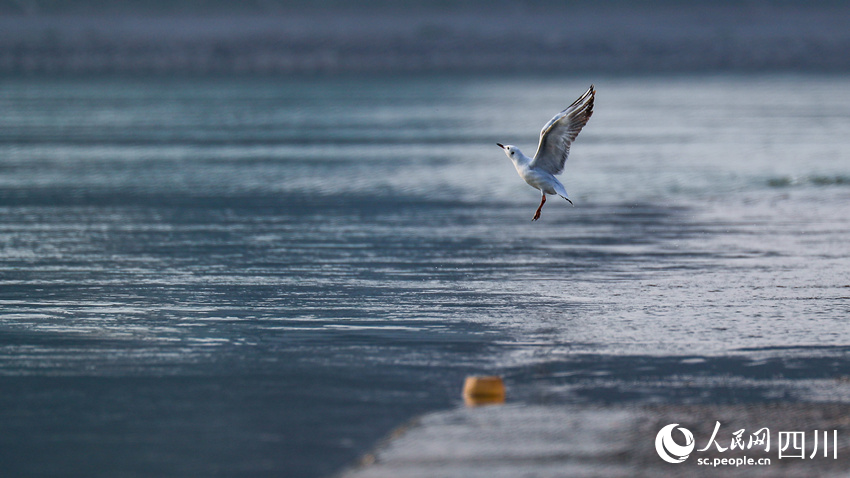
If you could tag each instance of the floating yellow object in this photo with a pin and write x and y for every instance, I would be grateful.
(483, 390)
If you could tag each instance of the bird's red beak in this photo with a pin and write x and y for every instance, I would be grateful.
(500, 145)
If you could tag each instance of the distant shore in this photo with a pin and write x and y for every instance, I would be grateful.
(612, 37)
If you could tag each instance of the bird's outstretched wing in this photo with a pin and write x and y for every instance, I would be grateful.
(558, 134)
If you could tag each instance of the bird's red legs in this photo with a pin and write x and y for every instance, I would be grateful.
(537, 214)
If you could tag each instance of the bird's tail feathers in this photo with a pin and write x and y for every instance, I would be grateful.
(559, 188)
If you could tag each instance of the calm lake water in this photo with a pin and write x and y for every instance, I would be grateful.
(264, 276)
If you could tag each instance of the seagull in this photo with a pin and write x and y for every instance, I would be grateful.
(552, 151)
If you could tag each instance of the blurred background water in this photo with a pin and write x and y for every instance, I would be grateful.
(262, 274)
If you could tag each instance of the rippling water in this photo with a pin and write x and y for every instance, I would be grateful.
(261, 277)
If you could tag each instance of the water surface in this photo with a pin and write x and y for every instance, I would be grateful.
(263, 276)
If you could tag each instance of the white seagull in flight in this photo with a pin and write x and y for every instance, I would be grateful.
(552, 151)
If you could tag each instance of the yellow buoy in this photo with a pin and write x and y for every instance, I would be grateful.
(483, 390)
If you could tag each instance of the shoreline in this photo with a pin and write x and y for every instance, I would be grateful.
(616, 441)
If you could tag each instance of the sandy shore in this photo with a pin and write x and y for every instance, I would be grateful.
(550, 441)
